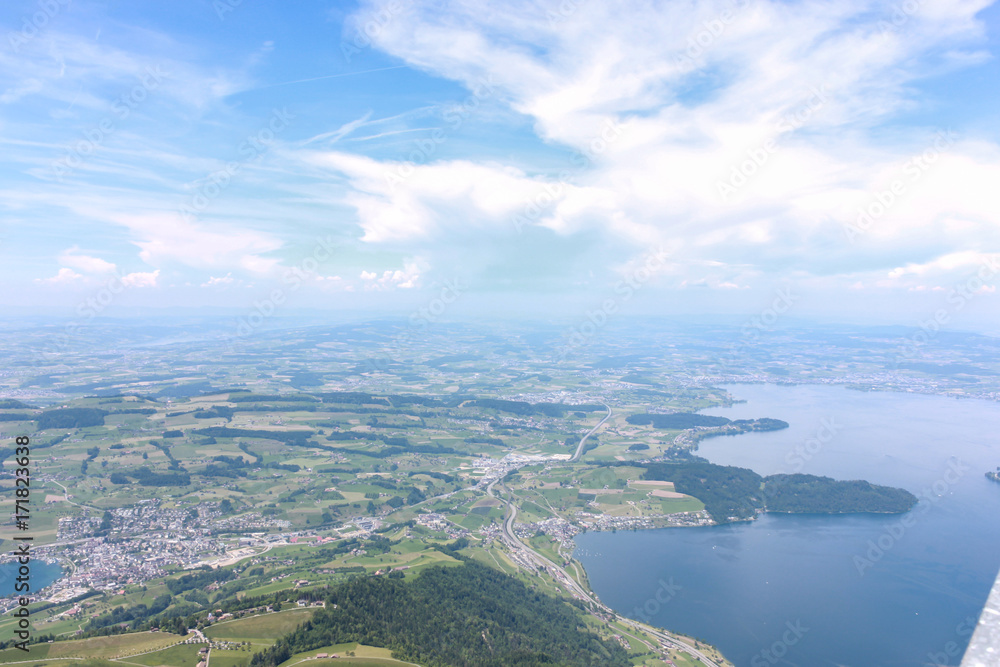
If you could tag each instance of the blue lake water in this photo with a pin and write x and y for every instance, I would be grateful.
(858, 590)
(42, 574)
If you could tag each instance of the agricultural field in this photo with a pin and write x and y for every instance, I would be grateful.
(118, 646)
(172, 492)
(182, 655)
(262, 629)
(347, 654)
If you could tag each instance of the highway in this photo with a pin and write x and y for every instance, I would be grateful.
(530, 555)
(583, 440)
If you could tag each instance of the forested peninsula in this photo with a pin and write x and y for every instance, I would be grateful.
(734, 494)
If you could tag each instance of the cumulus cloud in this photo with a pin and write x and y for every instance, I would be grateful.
(751, 140)
(64, 276)
(168, 237)
(744, 136)
(85, 263)
(403, 202)
(405, 278)
(221, 281)
(139, 279)
(945, 269)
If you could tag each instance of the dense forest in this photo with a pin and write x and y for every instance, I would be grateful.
(525, 409)
(146, 477)
(686, 420)
(71, 418)
(678, 420)
(731, 493)
(728, 492)
(762, 424)
(289, 437)
(468, 615)
(14, 404)
(808, 493)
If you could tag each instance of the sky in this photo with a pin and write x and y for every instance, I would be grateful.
(828, 160)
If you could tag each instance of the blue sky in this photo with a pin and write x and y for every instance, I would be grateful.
(343, 156)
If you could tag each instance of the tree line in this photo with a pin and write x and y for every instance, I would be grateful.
(465, 615)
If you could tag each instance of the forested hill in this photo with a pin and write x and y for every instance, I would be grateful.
(731, 493)
(811, 494)
(468, 615)
(686, 420)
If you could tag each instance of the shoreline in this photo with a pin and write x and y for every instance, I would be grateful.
(992, 397)
(37, 595)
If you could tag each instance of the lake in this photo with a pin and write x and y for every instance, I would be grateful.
(817, 590)
(42, 575)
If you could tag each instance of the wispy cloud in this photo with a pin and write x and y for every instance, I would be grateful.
(534, 146)
(660, 181)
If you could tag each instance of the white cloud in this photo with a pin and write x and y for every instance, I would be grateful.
(812, 82)
(221, 281)
(406, 278)
(43, 66)
(65, 276)
(141, 279)
(167, 237)
(399, 201)
(85, 263)
(947, 270)
(656, 115)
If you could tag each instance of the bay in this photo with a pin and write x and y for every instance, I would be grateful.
(840, 590)
(42, 574)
